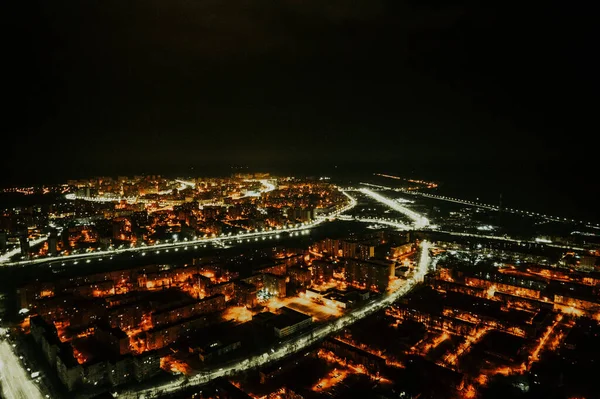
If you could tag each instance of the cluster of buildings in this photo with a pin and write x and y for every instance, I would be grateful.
(117, 367)
(533, 285)
(472, 329)
(512, 321)
(117, 327)
(105, 212)
(368, 263)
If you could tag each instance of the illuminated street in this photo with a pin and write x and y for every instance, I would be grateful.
(15, 381)
(5, 258)
(299, 200)
(270, 233)
(418, 220)
(212, 313)
(302, 304)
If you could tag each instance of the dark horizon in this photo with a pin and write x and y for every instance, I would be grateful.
(553, 188)
(432, 89)
(237, 287)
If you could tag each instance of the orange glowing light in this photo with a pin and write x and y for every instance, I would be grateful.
(491, 291)
(452, 358)
(238, 313)
(26, 325)
(535, 354)
(482, 380)
(470, 392)
(175, 366)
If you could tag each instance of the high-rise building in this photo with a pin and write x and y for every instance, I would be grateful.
(359, 250)
(349, 248)
(322, 270)
(24, 243)
(331, 246)
(2, 241)
(366, 251)
(369, 274)
(274, 284)
(52, 243)
(300, 276)
(245, 294)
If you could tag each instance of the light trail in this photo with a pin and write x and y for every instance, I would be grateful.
(534, 357)
(481, 204)
(186, 183)
(425, 345)
(245, 237)
(268, 186)
(377, 186)
(15, 381)
(342, 370)
(508, 239)
(224, 239)
(300, 342)
(419, 221)
(131, 200)
(455, 200)
(452, 358)
(6, 257)
(429, 184)
(387, 222)
(497, 208)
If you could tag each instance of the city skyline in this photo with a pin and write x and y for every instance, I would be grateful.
(299, 199)
(151, 286)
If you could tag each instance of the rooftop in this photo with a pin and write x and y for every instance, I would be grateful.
(289, 317)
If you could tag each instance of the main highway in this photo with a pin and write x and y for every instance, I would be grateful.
(15, 381)
(224, 239)
(5, 258)
(418, 220)
(483, 205)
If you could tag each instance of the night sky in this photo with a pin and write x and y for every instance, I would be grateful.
(107, 87)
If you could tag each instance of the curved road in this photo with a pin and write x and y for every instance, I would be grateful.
(256, 235)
